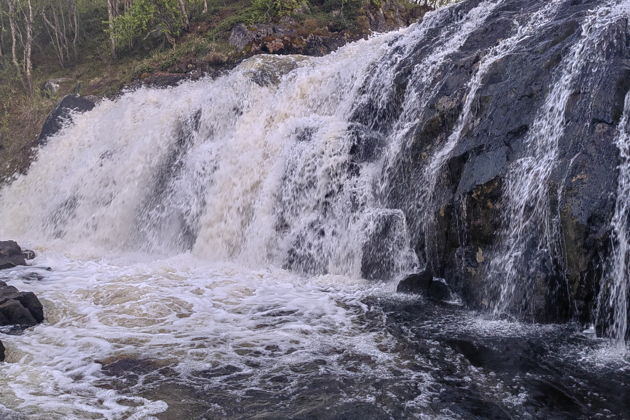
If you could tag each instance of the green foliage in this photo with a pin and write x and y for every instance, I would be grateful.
(161, 19)
(270, 9)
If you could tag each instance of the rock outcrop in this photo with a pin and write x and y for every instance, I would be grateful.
(63, 112)
(12, 255)
(564, 248)
(18, 310)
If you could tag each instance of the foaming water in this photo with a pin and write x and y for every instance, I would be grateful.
(259, 175)
(132, 337)
(181, 315)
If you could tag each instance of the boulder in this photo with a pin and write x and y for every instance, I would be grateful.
(439, 290)
(28, 254)
(51, 86)
(21, 309)
(63, 112)
(417, 283)
(424, 283)
(11, 255)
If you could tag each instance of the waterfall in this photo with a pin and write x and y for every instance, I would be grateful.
(324, 165)
(275, 171)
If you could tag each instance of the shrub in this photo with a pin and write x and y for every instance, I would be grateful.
(270, 9)
(160, 19)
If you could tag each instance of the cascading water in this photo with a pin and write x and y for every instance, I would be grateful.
(530, 228)
(443, 153)
(615, 293)
(208, 242)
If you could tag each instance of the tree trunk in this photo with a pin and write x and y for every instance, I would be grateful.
(182, 7)
(28, 46)
(12, 26)
(75, 20)
(112, 12)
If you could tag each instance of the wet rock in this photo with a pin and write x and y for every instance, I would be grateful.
(11, 255)
(267, 70)
(367, 145)
(384, 246)
(439, 290)
(22, 309)
(424, 283)
(417, 283)
(459, 236)
(28, 254)
(63, 112)
(2, 355)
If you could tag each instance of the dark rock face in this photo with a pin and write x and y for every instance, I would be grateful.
(62, 112)
(463, 231)
(11, 255)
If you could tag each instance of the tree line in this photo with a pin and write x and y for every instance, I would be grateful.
(65, 26)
